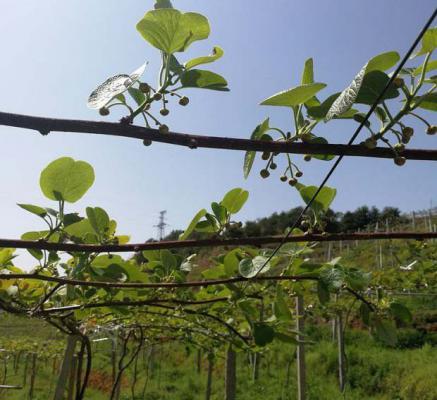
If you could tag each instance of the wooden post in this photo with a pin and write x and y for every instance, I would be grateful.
(32, 376)
(341, 358)
(72, 378)
(301, 373)
(66, 367)
(199, 361)
(209, 377)
(231, 374)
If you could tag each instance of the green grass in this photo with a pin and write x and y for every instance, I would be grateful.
(374, 372)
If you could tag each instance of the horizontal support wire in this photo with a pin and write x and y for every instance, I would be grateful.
(216, 242)
(153, 285)
(46, 125)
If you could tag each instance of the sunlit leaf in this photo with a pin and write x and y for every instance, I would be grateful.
(347, 97)
(295, 96)
(234, 200)
(171, 31)
(66, 179)
(202, 79)
(113, 87)
(217, 52)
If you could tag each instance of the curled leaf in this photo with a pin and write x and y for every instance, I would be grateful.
(112, 87)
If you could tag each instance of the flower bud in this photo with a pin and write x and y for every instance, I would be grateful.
(144, 87)
(408, 131)
(163, 129)
(104, 111)
(183, 101)
(164, 112)
(370, 143)
(398, 82)
(399, 160)
(265, 155)
(264, 173)
(432, 130)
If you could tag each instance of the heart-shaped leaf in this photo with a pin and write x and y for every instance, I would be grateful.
(249, 268)
(323, 200)
(66, 179)
(171, 31)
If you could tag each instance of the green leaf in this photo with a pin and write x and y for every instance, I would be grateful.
(217, 52)
(295, 96)
(308, 72)
(171, 31)
(323, 292)
(137, 95)
(383, 62)
(99, 219)
(401, 312)
(41, 212)
(319, 111)
(202, 79)
(192, 225)
(249, 158)
(432, 65)
(234, 200)
(357, 279)
(168, 260)
(220, 212)
(323, 200)
(249, 268)
(385, 331)
(83, 231)
(373, 84)
(347, 97)
(427, 101)
(280, 306)
(361, 118)
(206, 226)
(231, 261)
(263, 334)
(429, 42)
(332, 278)
(66, 179)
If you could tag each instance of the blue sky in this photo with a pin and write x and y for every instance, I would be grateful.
(54, 53)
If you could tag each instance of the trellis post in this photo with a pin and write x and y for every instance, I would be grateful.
(231, 375)
(66, 367)
(301, 370)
